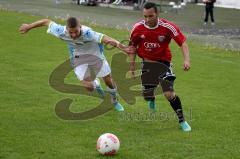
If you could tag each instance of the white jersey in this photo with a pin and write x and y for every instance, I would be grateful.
(89, 42)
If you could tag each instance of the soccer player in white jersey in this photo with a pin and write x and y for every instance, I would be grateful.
(86, 53)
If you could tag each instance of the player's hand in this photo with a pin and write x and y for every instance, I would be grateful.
(24, 28)
(186, 65)
(129, 49)
(132, 70)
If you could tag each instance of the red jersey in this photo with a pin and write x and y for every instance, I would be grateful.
(153, 43)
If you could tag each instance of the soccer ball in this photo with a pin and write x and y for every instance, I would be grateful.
(108, 144)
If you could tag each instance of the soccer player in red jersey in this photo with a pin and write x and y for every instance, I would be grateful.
(151, 38)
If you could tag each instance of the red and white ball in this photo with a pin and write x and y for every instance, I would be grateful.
(108, 144)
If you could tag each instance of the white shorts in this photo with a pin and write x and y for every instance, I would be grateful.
(100, 70)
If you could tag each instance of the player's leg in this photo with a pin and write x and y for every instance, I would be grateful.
(92, 85)
(175, 102)
(167, 83)
(150, 73)
(86, 80)
(149, 96)
(88, 84)
(105, 73)
(112, 90)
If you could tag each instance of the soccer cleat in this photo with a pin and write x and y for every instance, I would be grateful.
(152, 105)
(185, 126)
(99, 88)
(118, 107)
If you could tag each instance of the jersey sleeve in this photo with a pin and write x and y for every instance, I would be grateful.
(176, 34)
(93, 36)
(55, 29)
(134, 38)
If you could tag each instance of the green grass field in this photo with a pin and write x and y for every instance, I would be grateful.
(30, 128)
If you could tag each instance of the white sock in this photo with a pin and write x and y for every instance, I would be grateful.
(96, 83)
(113, 93)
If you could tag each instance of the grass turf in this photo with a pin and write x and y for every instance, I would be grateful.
(29, 127)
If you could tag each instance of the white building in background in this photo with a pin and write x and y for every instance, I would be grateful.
(228, 3)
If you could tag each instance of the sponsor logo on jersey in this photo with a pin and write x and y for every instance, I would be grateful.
(151, 45)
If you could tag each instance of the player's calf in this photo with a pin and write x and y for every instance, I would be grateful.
(114, 100)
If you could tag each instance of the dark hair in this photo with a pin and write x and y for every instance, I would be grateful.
(72, 22)
(149, 5)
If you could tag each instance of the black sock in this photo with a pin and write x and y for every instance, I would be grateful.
(177, 107)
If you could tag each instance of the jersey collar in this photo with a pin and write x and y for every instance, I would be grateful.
(149, 26)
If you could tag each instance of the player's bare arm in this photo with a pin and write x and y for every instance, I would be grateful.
(132, 58)
(24, 28)
(110, 41)
(186, 57)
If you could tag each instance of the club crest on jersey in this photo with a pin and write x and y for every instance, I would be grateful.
(161, 38)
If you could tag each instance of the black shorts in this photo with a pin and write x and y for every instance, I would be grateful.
(155, 73)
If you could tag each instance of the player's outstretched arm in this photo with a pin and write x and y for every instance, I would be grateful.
(186, 57)
(24, 28)
(110, 41)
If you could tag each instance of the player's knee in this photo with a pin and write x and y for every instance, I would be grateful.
(90, 89)
(88, 86)
(148, 94)
(169, 95)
